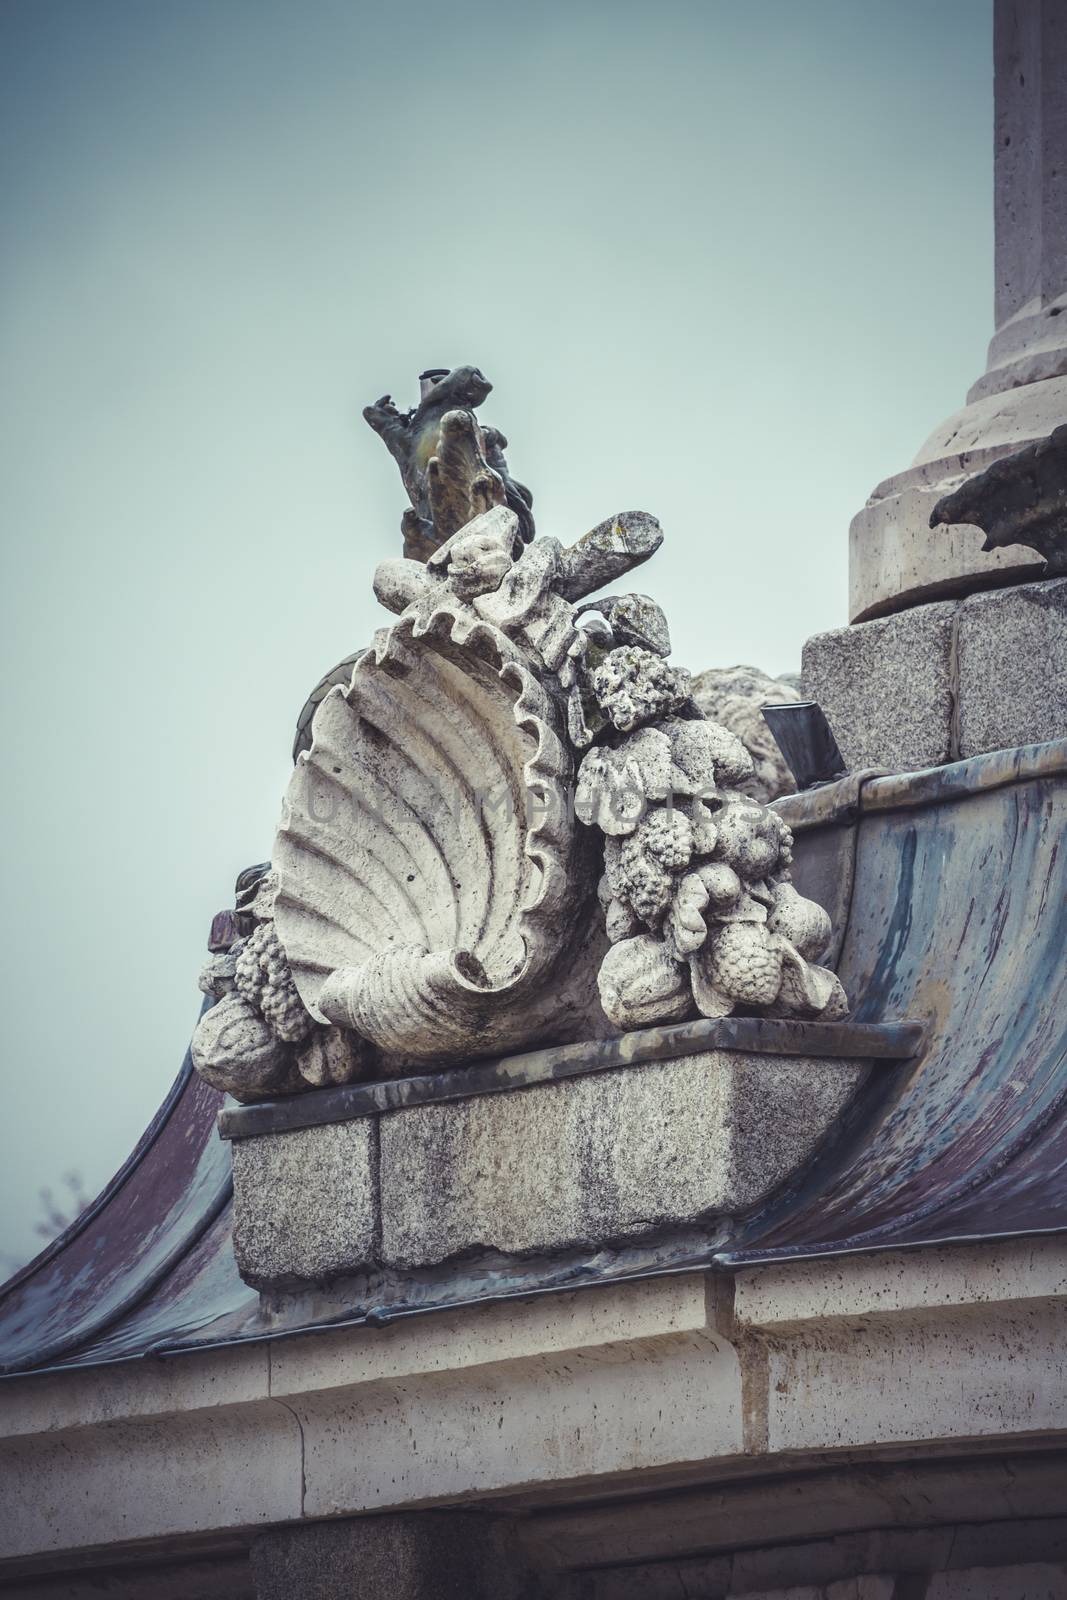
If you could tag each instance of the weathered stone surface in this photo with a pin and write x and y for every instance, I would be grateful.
(1034, 1581)
(708, 1577)
(1021, 499)
(887, 688)
(1013, 667)
(946, 681)
(259, 1039)
(613, 1155)
(895, 558)
(981, 1354)
(867, 1586)
(1029, 48)
(613, 547)
(452, 468)
(634, 1382)
(431, 869)
(734, 697)
(234, 1050)
(695, 873)
(429, 1555)
(305, 1203)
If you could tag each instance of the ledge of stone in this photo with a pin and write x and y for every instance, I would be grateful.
(562, 1149)
(884, 1041)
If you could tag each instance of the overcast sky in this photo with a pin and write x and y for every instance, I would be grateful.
(728, 263)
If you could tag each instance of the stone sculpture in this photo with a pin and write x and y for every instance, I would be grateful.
(696, 893)
(428, 861)
(463, 786)
(735, 697)
(451, 467)
(258, 1039)
(1020, 499)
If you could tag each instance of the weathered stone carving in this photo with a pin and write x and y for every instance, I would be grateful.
(734, 697)
(460, 788)
(451, 467)
(696, 892)
(259, 1039)
(428, 862)
(1020, 499)
(432, 878)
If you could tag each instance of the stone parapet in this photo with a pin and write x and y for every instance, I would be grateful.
(306, 1202)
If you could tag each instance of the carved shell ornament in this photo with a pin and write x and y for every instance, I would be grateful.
(428, 861)
(508, 822)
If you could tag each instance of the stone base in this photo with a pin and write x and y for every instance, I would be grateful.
(945, 681)
(594, 1158)
(895, 558)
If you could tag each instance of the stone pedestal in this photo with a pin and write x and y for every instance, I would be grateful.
(945, 681)
(895, 558)
(558, 1151)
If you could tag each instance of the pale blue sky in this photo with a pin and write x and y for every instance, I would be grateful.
(726, 263)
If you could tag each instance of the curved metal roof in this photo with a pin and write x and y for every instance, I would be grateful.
(950, 890)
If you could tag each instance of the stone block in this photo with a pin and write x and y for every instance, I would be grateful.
(418, 1556)
(609, 1156)
(946, 681)
(306, 1202)
(887, 687)
(707, 1576)
(1012, 670)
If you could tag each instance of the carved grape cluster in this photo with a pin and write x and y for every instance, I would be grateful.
(262, 977)
(703, 866)
(661, 846)
(745, 963)
(668, 838)
(634, 686)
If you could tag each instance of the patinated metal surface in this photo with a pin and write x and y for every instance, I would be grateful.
(807, 742)
(959, 919)
(956, 890)
(131, 1243)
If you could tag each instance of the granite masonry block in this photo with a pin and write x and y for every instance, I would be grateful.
(1012, 651)
(614, 1155)
(946, 681)
(306, 1203)
(887, 687)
